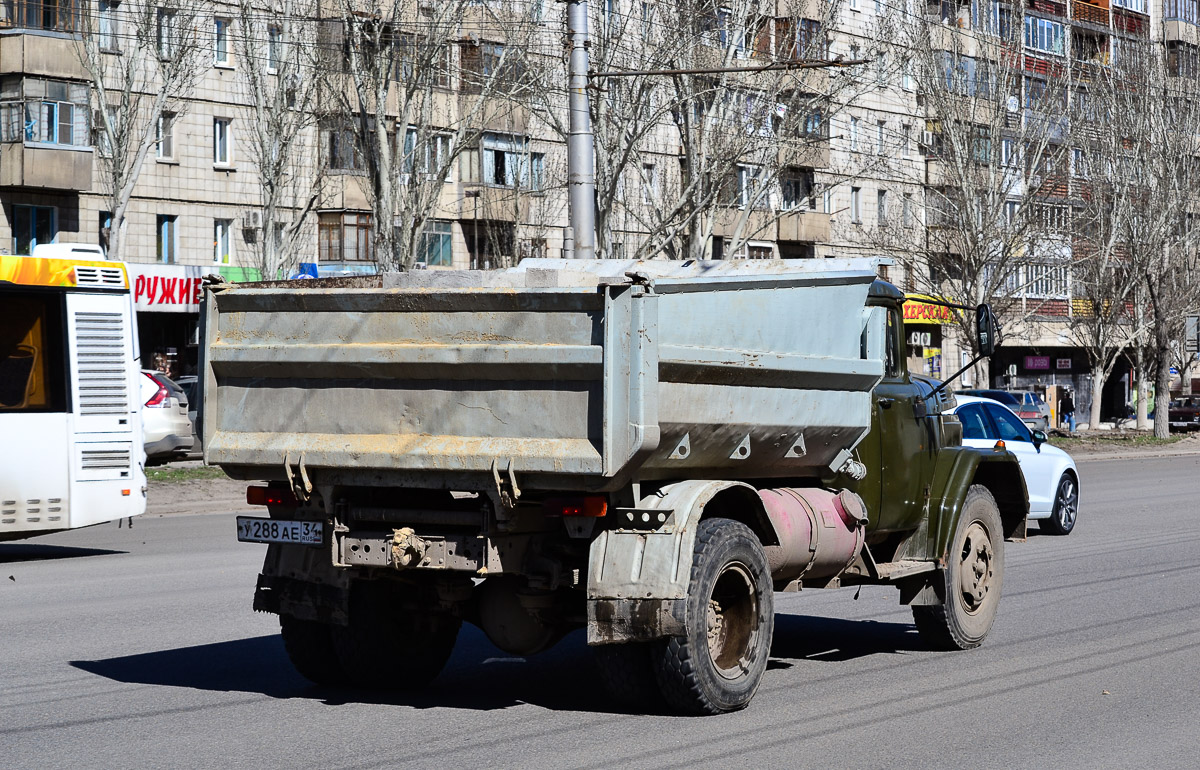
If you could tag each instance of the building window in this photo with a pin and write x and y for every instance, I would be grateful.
(437, 244)
(856, 204)
(165, 240)
(881, 206)
(344, 237)
(507, 162)
(907, 81)
(854, 134)
(906, 213)
(341, 150)
(880, 129)
(434, 155)
(31, 226)
(108, 26)
(796, 185)
(222, 141)
(274, 47)
(906, 140)
(50, 15)
(165, 136)
(167, 31)
(1131, 5)
(44, 112)
(222, 240)
(1043, 35)
(221, 42)
(747, 187)
(1008, 153)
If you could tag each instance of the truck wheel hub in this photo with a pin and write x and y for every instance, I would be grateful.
(976, 567)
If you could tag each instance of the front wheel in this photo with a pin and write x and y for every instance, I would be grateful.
(971, 581)
(717, 664)
(1066, 508)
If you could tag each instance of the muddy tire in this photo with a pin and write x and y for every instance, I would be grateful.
(1066, 508)
(309, 646)
(971, 581)
(386, 647)
(627, 675)
(716, 666)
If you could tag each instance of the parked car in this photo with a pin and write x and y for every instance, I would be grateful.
(1184, 414)
(1035, 416)
(167, 431)
(188, 383)
(1050, 473)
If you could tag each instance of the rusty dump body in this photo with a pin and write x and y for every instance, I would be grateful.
(571, 378)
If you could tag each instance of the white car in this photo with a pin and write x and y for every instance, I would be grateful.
(1050, 473)
(167, 431)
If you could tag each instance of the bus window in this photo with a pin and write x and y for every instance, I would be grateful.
(32, 372)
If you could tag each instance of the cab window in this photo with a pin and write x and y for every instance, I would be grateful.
(974, 422)
(894, 328)
(1008, 425)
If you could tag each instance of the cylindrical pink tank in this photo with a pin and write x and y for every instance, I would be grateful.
(820, 532)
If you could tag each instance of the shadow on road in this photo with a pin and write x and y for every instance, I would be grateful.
(832, 640)
(478, 676)
(10, 554)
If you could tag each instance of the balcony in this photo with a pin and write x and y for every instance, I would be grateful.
(47, 55)
(1089, 13)
(45, 15)
(45, 167)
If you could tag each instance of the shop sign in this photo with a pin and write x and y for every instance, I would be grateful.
(918, 312)
(1062, 363)
(166, 288)
(1037, 363)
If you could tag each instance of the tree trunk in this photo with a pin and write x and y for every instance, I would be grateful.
(1141, 375)
(1097, 395)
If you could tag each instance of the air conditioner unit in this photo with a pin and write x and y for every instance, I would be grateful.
(1035, 180)
(252, 220)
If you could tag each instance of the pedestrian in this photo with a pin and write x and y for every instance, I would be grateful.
(1067, 407)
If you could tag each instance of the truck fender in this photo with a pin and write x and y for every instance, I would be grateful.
(638, 579)
(957, 469)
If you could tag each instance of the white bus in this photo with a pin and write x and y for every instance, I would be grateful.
(71, 452)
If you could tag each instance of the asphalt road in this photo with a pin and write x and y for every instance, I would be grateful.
(138, 648)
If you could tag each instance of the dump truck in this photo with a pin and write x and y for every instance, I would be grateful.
(647, 450)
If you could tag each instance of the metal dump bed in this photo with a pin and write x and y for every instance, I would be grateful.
(571, 374)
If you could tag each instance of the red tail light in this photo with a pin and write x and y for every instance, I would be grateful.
(270, 496)
(1027, 415)
(161, 395)
(577, 506)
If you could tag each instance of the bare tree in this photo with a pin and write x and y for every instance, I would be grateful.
(388, 75)
(142, 69)
(1150, 164)
(275, 45)
(686, 149)
(997, 141)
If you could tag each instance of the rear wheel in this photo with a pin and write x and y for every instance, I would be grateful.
(1066, 508)
(717, 664)
(627, 674)
(389, 647)
(972, 579)
(309, 646)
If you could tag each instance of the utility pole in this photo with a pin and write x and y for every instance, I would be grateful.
(581, 165)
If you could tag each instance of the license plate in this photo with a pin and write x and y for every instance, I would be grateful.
(252, 530)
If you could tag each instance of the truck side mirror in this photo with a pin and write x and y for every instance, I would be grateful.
(985, 330)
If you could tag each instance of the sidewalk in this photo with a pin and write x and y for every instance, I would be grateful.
(1107, 446)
